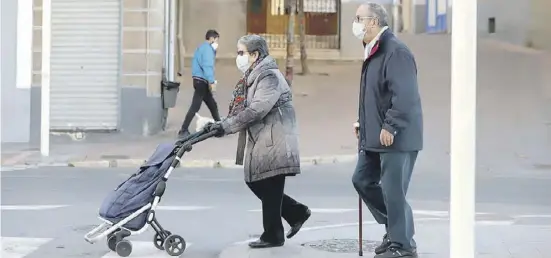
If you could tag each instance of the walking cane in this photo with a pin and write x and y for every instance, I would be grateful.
(360, 229)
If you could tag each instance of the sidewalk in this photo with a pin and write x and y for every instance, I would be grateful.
(432, 237)
(514, 121)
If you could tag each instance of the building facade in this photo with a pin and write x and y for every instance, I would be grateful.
(107, 55)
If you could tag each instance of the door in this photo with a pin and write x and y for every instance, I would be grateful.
(437, 15)
(85, 64)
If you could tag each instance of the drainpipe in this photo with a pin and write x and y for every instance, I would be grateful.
(396, 15)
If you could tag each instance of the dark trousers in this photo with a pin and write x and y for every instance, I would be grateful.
(382, 181)
(275, 205)
(202, 93)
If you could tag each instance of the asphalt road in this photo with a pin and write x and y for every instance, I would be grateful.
(212, 208)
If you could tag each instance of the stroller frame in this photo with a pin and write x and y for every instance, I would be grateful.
(174, 245)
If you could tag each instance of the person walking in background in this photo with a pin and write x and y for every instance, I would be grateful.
(204, 83)
(389, 129)
(262, 107)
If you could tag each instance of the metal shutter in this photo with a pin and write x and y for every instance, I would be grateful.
(85, 64)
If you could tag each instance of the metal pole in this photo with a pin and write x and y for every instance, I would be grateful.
(45, 78)
(360, 227)
(463, 129)
(172, 40)
(396, 15)
(166, 31)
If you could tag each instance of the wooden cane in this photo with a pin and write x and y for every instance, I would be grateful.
(360, 229)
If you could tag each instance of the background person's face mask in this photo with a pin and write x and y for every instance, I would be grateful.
(214, 45)
(242, 62)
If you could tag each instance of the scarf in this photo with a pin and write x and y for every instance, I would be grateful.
(237, 105)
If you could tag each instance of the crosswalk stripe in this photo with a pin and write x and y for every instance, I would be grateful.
(182, 208)
(314, 210)
(31, 207)
(143, 249)
(19, 247)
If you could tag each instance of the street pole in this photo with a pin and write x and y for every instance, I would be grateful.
(463, 129)
(45, 78)
(172, 41)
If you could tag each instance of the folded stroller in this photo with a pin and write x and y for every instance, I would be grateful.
(130, 208)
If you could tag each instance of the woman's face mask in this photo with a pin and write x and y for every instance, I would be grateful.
(242, 62)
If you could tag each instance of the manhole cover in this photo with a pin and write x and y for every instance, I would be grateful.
(342, 245)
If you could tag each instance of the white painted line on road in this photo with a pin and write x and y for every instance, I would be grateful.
(533, 216)
(19, 247)
(183, 208)
(314, 210)
(333, 226)
(144, 249)
(31, 207)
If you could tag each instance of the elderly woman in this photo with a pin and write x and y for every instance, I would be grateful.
(262, 108)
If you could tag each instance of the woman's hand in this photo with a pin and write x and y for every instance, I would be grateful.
(216, 127)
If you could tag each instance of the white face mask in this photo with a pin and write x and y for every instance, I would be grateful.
(214, 45)
(358, 29)
(242, 62)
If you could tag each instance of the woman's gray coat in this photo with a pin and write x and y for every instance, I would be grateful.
(270, 121)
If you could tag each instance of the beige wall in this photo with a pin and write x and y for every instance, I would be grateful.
(539, 34)
(139, 69)
(228, 17)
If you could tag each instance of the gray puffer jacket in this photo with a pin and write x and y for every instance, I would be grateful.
(270, 122)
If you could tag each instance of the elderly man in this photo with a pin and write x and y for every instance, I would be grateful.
(389, 129)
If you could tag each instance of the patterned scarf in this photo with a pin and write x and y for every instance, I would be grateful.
(237, 104)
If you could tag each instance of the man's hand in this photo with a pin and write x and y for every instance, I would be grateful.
(386, 138)
(212, 87)
(357, 130)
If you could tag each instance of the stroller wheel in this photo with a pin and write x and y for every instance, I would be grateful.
(124, 248)
(175, 245)
(158, 240)
(112, 243)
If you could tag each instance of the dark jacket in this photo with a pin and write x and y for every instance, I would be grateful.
(270, 120)
(389, 98)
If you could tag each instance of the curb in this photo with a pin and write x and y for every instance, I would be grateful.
(133, 163)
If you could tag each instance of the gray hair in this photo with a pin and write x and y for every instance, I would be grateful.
(378, 12)
(255, 43)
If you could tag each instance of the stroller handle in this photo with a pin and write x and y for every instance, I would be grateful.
(196, 137)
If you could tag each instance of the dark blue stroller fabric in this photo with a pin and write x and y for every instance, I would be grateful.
(137, 191)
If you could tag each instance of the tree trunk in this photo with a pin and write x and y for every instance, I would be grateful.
(290, 41)
(302, 27)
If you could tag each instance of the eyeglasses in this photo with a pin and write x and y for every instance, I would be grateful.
(240, 52)
(358, 18)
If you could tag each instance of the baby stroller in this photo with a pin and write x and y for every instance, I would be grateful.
(130, 208)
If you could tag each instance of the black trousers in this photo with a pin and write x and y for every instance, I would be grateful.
(382, 181)
(275, 205)
(202, 93)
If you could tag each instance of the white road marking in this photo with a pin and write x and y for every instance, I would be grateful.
(332, 226)
(183, 208)
(533, 216)
(314, 210)
(19, 247)
(31, 207)
(144, 249)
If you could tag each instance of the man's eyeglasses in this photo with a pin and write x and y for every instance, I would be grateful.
(358, 18)
(240, 52)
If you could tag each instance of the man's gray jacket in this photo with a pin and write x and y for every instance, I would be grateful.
(389, 98)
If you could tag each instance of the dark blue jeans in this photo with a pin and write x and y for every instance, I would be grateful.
(382, 179)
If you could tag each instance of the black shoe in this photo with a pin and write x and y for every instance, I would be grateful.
(183, 134)
(296, 228)
(383, 246)
(263, 244)
(397, 252)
